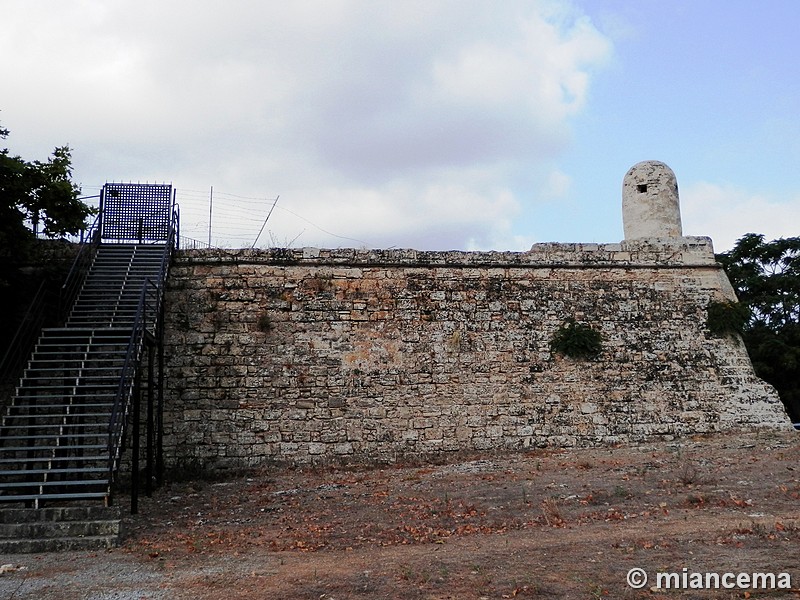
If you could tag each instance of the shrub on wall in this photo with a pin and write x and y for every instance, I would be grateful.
(727, 318)
(577, 340)
(264, 323)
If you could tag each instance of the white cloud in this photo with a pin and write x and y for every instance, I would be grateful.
(558, 185)
(395, 122)
(726, 213)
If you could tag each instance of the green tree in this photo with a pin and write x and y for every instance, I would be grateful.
(766, 277)
(36, 198)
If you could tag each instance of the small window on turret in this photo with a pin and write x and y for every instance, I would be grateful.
(642, 187)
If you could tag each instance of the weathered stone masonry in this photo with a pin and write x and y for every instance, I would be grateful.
(314, 355)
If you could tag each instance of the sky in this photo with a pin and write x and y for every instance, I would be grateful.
(427, 124)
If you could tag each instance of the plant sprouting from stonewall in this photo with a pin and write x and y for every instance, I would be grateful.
(577, 340)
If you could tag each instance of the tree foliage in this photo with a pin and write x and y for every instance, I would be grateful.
(766, 277)
(36, 198)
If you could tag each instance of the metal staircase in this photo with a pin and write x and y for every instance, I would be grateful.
(63, 434)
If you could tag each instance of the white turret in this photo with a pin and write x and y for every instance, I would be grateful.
(650, 205)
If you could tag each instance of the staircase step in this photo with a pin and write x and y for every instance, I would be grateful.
(122, 268)
(82, 382)
(38, 530)
(107, 303)
(71, 436)
(67, 332)
(90, 305)
(81, 438)
(50, 415)
(60, 403)
(65, 497)
(118, 318)
(57, 513)
(19, 399)
(117, 284)
(43, 427)
(14, 472)
(54, 430)
(31, 418)
(66, 483)
(99, 351)
(119, 335)
(46, 383)
(104, 353)
(37, 485)
(64, 544)
(115, 300)
(45, 448)
(94, 458)
(53, 414)
(72, 363)
(84, 378)
(73, 371)
(59, 529)
(66, 390)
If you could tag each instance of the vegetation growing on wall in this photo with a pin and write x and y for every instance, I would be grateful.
(727, 318)
(264, 323)
(577, 340)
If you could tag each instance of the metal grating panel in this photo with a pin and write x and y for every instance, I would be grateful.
(136, 211)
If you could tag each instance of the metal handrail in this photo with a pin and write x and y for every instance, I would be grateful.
(125, 386)
(16, 355)
(148, 314)
(80, 267)
(24, 339)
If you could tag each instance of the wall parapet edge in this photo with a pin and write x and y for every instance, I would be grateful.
(687, 252)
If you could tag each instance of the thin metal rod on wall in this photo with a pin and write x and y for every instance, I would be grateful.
(210, 207)
(264, 224)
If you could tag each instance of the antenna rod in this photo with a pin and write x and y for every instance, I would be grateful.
(264, 224)
(210, 206)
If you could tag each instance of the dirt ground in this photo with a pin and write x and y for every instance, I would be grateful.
(544, 524)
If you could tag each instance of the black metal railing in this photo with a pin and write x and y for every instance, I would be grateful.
(142, 329)
(24, 340)
(146, 331)
(40, 311)
(80, 268)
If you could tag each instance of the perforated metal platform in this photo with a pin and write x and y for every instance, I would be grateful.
(136, 212)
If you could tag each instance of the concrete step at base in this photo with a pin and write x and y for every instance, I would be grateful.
(67, 544)
(56, 529)
(59, 529)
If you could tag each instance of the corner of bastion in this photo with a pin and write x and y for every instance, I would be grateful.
(326, 355)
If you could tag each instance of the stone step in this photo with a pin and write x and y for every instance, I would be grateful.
(56, 529)
(65, 544)
(59, 529)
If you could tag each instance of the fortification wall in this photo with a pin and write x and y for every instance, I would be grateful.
(322, 355)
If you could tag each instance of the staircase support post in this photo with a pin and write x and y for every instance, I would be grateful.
(150, 434)
(137, 394)
(160, 414)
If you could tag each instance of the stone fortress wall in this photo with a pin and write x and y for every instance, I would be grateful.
(315, 356)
